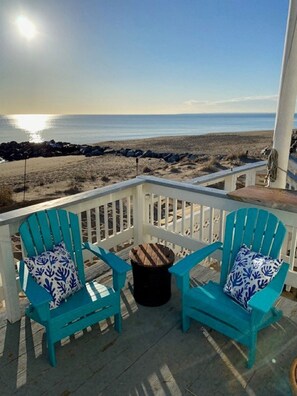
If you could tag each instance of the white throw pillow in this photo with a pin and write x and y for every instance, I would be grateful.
(250, 273)
(55, 271)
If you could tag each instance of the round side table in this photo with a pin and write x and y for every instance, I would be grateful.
(152, 281)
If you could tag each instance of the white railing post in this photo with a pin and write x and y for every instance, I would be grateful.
(8, 275)
(250, 178)
(138, 215)
(230, 183)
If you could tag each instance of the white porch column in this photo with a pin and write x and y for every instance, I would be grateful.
(287, 99)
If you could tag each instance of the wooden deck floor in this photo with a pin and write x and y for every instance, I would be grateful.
(151, 356)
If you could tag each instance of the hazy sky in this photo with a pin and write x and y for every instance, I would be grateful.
(141, 56)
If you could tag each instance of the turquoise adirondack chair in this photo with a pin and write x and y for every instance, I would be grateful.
(94, 302)
(209, 305)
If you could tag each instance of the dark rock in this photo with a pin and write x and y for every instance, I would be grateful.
(147, 154)
(86, 150)
(172, 158)
(96, 152)
(192, 157)
(130, 153)
(109, 151)
(123, 151)
(138, 153)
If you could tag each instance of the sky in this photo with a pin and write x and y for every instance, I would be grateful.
(141, 56)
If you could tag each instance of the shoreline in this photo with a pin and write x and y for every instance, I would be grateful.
(171, 149)
(264, 132)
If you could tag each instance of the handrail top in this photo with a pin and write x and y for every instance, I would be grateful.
(182, 185)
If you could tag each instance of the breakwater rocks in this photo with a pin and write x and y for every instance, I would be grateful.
(13, 151)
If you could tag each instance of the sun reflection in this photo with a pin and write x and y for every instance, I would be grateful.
(34, 124)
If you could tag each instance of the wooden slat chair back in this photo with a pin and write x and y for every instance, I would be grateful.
(42, 230)
(262, 232)
(93, 303)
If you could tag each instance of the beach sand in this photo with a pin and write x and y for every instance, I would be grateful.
(49, 178)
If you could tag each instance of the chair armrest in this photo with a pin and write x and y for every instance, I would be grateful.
(186, 264)
(116, 263)
(264, 299)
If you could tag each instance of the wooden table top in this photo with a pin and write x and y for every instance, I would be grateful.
(275, 198)
(152, 255)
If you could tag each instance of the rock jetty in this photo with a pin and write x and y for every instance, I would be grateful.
(13, 151)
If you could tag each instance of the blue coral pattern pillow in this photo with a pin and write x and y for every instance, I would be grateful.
(251, 272)
(55, 271)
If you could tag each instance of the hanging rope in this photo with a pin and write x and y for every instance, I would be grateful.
(272, 165)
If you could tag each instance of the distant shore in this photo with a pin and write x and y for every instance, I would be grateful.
(210, 143)
(48, 178)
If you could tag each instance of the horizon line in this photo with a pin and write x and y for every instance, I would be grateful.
(142, 114)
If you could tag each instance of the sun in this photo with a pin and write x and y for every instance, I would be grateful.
(26, 28)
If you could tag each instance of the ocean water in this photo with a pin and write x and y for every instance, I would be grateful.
(98, 128)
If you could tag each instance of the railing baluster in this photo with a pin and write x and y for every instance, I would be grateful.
(114, 218)
(106, 227)
(159, 211)
(174, 214)
(192, 221)
(183, 217)
(211, 226)
(80, 224)
(166, 212)
(201, 223)
(152, 210)
(121, 216)
(89, 225)
(129, 212)
(97, 220)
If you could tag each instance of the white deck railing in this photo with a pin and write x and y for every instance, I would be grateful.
(246, 175)
(182, 215)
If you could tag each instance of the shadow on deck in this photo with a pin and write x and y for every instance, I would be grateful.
(151, 356)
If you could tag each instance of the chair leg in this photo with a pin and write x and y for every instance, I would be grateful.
(51, 351)
(118, 322)
(185, 322)
(252, 350)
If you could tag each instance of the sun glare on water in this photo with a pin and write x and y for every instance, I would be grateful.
(33, 124)
(26, 28)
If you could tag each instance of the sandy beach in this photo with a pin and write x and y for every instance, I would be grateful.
(49, 178)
